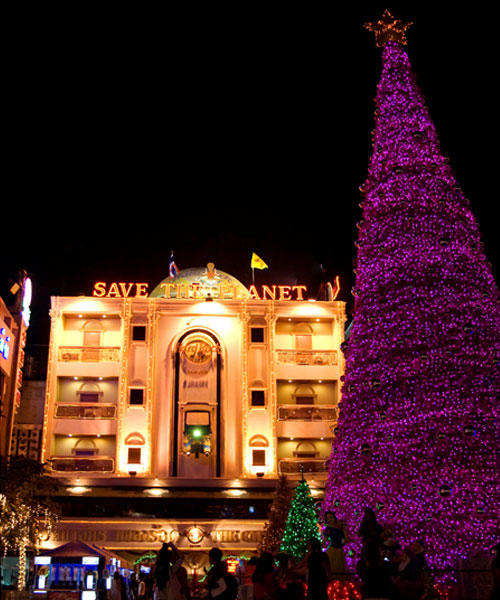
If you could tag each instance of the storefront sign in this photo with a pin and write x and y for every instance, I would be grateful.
(183, 534)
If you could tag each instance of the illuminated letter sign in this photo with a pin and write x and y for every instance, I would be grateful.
(120, 290)
(197, 291)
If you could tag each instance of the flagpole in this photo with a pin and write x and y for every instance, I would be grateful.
(253, 276)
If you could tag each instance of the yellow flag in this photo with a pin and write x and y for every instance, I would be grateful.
(258, 263)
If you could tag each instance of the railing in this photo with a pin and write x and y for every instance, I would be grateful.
(101, 465)
(296, 466)
(312, 358)
(85, 411)
(293, 412)
(88, 354)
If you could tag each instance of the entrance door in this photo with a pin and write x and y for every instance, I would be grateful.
(197, 407)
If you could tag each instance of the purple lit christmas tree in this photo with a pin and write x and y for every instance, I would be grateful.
(418, 436)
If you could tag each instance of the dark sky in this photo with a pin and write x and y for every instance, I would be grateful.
(221, 131)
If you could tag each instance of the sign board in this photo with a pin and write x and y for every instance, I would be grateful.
(198, 291)
(225, 534)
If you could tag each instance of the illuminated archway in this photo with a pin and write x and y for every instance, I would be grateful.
(197, 410)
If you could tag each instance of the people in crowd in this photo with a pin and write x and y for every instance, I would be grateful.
(407, 575)
(370, 529)
(219, 584)
(418, 554)
(495, 572)
(123, 588)
(334, 532)
(141, 588)
(290, 585)
(389, 544)
(374, 572)
(115, 593)
(318, 571)
(265, 586)
(170, 576)
(386, 570)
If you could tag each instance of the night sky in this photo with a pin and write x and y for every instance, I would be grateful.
(218, 132)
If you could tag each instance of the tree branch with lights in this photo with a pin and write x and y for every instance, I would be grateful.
(28, 514)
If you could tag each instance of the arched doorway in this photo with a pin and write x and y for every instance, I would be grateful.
(197, 406)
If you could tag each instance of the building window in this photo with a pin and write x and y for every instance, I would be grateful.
(85, 447)
(306, 450)
(258, 398)
(303, 342)
(258, 458)
(134, 456)
(91, 339)
(304, 394)
(303, 336)
(136, 396)
(257, 335)
(92, 333)
(89, 392)
(258, 445)
(89, 397)
(258, 394)
(139, 333)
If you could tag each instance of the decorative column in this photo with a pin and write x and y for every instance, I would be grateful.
(126, 316)
(51, 388)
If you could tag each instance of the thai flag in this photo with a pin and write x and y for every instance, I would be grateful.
(172, 267)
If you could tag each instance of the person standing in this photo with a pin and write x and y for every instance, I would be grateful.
(318, 571)
(265, 586)
(115, 593)
(141, 588)
(215, 584)
(374, 572)
(335, 534)
(370, 529)
(495, 571)
(170, 576)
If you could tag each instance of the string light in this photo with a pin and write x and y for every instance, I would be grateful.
(302, 522)
(418, 426)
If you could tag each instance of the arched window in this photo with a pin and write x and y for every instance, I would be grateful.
(259, 440)
(137, 393)
(258, 443)
(258, 330)
(89, 392)
(92, 333)
(134, 454)
(305, 449)
(258, 394)
(303, 336)
(304, 394)
(135, 439)
(85, 447)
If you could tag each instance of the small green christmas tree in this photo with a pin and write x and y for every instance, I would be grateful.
(277, 515)
(302, 523)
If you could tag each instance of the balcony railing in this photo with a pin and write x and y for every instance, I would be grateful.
(311, 358)
(85, 411)
(100, 465)
(293, 412)
(296, 466)
(88, 354)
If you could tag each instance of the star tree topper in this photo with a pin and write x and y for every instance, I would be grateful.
(389, 29)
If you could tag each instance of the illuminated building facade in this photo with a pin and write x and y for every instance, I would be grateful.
(200, 382)
(12, 342)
